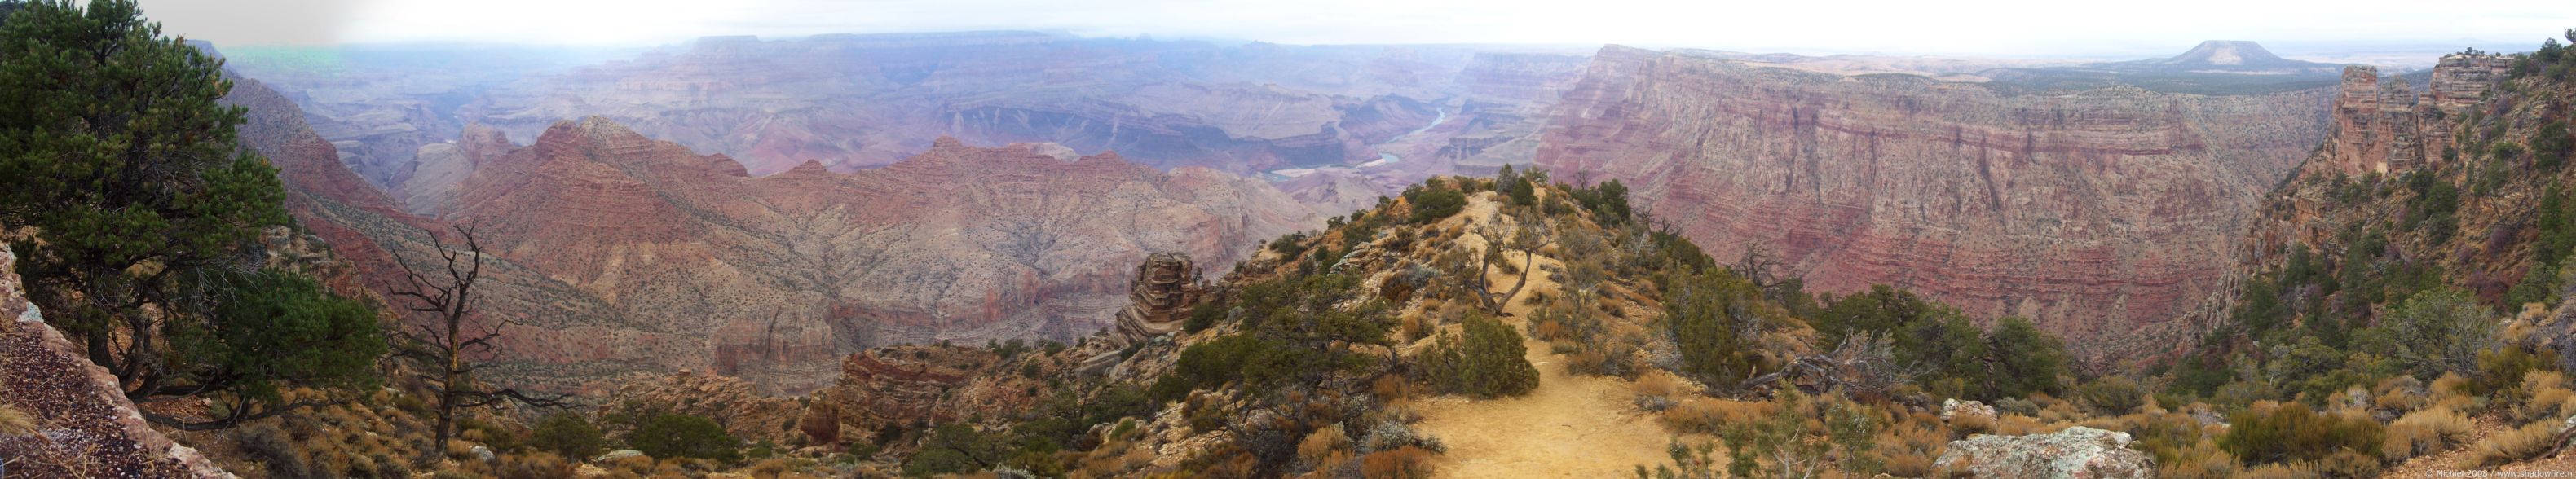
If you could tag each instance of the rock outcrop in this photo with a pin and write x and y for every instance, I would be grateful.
(84, 425)
(1166, 285)
(2383, 125)
(2075, 453)
(911, 386)
(2102, 213)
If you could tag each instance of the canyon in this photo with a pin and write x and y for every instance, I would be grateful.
(612, 253)
(762, 208)
(2102, 213)
(851, 102)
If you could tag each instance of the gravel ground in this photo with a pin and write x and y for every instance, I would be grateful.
(80, 436)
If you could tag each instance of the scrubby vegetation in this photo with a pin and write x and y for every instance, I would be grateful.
(2376, 343)
(2420, 316)
(1484, 361)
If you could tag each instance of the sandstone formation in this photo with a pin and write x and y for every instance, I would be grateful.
(907, 387)
(2075, 453)
(84, 425)
(2484, 247)
(740, 407)
(2383, 125)
(2101, 213)
(1166, 286)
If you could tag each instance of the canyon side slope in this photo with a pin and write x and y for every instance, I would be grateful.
(614, 253)
(2102, 213)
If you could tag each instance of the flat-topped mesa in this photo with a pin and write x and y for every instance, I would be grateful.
(2381, 125)
(1166, 286)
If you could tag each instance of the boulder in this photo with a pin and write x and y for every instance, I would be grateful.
(617, 454)
(1954, 410)
(2075, 453)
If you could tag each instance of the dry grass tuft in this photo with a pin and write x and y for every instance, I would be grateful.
(2202, 460)
(14, 422)
(1710, 415)
(2425, 432)
(2401, 393)
(1321, 448)
(2292, 470)
(1407, 462)
(2507, 447)
(1910, 447)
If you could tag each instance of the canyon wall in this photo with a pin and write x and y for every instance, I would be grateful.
(2101, 213)
(2382, 124)
(614, 253)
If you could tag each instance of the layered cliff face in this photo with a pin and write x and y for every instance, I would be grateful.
(2374, 181)
(2101, 213)
(625, 251)
(2383, 124)
(614, 253)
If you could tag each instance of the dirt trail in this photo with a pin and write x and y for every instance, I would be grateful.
(1571, 426)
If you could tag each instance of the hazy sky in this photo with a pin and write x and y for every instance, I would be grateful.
(2009, 27)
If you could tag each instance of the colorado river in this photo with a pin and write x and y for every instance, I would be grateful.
(1384, 158)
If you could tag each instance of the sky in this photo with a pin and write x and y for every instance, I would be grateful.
(2005, 28)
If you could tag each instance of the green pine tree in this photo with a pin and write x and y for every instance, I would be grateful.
(131, 202)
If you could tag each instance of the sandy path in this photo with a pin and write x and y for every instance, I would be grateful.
(1571, 426)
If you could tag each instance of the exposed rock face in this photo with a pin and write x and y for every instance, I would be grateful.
(84, 425)
(736, 404)
(625, 253)
(2076, 453)
(2381, 125)
(915, 385)
(2100, 213)
(1165, 288)
(618, 254)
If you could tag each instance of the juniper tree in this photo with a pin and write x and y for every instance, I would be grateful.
(133, 204)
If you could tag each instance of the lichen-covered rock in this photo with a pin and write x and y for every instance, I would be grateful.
(1955, 410)
(2075, 453)
(617, 454)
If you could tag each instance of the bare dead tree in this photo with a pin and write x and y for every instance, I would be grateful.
(1759, 266)
(1864, 365)
(1526, 235)
(444, 346)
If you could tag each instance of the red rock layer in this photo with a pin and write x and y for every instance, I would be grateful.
(618, 254)
(2100, 213)
(624, 252)
(2381, 125)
